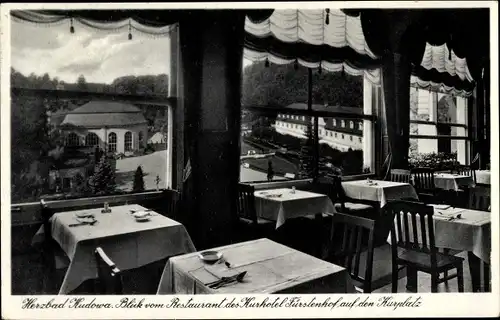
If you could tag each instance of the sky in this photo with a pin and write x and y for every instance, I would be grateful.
(101, 56)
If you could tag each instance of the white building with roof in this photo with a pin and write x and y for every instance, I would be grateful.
(113, 126)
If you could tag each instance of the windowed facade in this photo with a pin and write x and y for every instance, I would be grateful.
(128, 141)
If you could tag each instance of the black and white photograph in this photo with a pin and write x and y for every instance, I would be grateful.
(282, 150)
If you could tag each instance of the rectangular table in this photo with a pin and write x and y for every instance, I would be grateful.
(290, 204)
(448, 181)
(270, 266)
(483, 177)
(378, 191)
(129, 243)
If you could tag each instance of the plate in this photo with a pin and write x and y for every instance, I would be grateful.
(210, 256)
(84, 214)
(142, 219)
(88, 219)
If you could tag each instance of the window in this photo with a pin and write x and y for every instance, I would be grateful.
(47, 119)
(91, 139)
(301, 155)
(342, 136)
(360, 126)
(128, 141)
(438, 124)
(141, 139)
(112, 142)
(73, 140)
(66, 183)
(351, 124)
(350, 138)
(342, 123)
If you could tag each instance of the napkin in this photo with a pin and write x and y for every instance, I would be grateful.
(212, 273)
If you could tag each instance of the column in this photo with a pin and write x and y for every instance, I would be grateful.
(396, 79)
(462, 148)
(175, 114)
(427, 109)
(212, 53)
(369, 91)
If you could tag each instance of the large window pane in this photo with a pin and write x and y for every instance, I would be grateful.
(83, 116)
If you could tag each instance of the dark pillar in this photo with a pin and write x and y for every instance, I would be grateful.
(212, 55)
(396, 76)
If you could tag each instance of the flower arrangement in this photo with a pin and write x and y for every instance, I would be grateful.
(436, 161)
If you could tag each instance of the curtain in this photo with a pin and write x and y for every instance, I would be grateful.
(314, 38)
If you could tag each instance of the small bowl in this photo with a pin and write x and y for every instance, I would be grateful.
(210, 256)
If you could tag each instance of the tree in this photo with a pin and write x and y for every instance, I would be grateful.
(103, 179)
(82, 83)
(306, 156)
(138, 180)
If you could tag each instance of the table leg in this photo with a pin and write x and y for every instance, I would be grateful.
(475, 271)
(322, 235)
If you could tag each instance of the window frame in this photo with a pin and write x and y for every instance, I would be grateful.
(128, 145)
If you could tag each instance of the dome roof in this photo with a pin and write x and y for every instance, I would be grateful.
(104, 114)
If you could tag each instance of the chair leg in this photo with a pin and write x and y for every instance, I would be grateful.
(447, 252)
(411, 282)
(486, 276)
(460, 277)
(395, 278)
(434, 282)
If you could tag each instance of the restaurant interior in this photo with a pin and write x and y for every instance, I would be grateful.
(394, 228)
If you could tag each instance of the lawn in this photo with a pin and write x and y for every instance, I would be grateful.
(152, 165)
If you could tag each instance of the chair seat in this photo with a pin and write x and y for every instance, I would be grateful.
(422, 260)
(324, 215)
(353, 207)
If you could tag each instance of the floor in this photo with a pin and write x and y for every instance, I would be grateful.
(27, 277)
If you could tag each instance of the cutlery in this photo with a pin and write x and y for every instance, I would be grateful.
(222, 280)
(228, 280)
(83, 223)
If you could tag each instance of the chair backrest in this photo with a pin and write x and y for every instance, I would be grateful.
(246, 202)
(330, 186)
(423, 179)
(109, 276)
(465, 171)
(480, 198)
(412, 227)
(357, 241)
(400, 175)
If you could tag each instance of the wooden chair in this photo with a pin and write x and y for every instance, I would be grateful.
(247, 214)
(479, 199)
(423, 181)
(413, 245)
(400, 175)
(465, 171)
(54, 260)
(353, 245)
(109, 277)
(343, 203)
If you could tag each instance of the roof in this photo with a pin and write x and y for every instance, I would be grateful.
(98, 114)
(106, 107)
(320, 107)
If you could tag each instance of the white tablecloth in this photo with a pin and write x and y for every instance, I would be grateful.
(130, 244)
(378, 191)
(290, 204)
(472, 232)
(483, 176)
(448, 181)
(270, 266)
